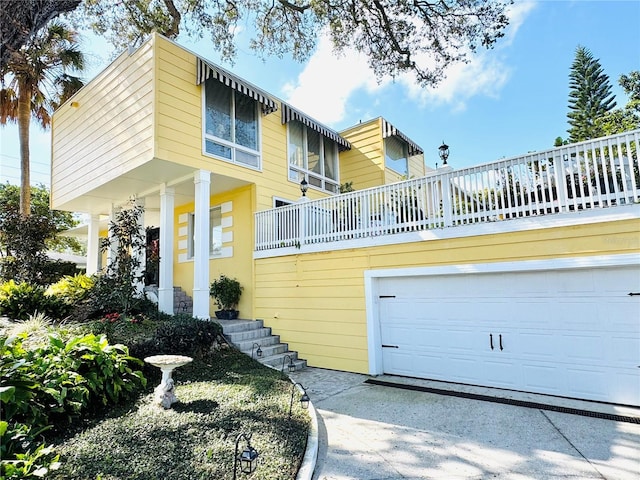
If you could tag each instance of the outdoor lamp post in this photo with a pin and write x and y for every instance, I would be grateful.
(444, 152)
(304, 399)
(248, 459)
(291, 366)
(304, 186)
(258, 351)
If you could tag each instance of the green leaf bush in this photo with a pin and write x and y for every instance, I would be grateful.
(20, 300)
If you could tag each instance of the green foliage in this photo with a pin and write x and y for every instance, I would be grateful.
(71, 289)
(346, 187)
(34, 463)
(226, 292)
(180, 335)
(20, 300)
(392, 34)
(116, 289)
(628, 118)
(590, 96)
(64, 377)
(220, 395)
(25, 240)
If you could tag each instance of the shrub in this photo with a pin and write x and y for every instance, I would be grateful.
(226, 292)
(19, 300)
(71, 289)
(55, 382)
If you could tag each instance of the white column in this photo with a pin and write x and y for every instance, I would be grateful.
(140, 253)
(93, 244)
(165, 287)
(447, 201)
(202, 180)
(302, 220)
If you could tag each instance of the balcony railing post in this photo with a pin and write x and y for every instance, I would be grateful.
(302, 220)
(447, 204)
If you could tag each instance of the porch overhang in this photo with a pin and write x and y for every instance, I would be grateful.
(142, 182)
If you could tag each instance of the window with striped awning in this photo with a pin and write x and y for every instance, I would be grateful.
(206, 70)
(389, 130)
(289, 113)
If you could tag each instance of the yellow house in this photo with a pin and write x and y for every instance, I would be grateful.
(519, 274)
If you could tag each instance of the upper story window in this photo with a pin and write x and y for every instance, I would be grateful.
(231, 125)
(313, 156)
(396, 155)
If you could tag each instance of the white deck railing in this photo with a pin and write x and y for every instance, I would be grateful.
(589, 175)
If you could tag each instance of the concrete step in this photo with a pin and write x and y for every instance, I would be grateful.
(232, 326)
(267, 350)
(247, 335)
(247, 345)
(281, 360)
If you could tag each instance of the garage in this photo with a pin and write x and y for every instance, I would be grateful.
(567, 328)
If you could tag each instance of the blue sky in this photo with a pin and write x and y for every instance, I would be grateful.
(507, 101)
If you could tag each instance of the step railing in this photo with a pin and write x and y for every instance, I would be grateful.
(595, 174)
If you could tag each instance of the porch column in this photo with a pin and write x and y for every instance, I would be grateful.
(202, 180)
(93, 244)
(165, 286)
(140, 252)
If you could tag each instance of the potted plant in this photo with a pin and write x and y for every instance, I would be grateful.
(226, 293)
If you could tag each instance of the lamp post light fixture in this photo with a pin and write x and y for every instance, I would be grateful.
(444, 152)
(304, 186)
(248, 459)
(291, 366)
(304, 398)
(258, 351)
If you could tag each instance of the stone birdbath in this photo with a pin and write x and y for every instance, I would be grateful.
(164, 393)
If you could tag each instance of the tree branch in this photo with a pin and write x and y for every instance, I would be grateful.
(292, 6)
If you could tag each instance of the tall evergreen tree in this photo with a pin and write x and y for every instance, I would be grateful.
(39, 81)
(590, 96)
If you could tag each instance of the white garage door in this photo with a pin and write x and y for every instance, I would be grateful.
(571, 332)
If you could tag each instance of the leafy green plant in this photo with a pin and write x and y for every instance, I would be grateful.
(19, 300)
(71, 289)
(55, 382)
(116, 290)
(226, 292)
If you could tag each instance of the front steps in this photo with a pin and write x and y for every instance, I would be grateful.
(182, 303)
(245, 334)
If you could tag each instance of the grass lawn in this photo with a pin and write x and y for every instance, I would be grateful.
(221, 396)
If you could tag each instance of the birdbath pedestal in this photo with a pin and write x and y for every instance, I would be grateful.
(164, 393)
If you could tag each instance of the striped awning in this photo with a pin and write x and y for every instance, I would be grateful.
(389, 130)
(289, 113)
(207, 70)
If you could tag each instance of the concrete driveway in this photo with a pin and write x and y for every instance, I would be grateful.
(371, 432)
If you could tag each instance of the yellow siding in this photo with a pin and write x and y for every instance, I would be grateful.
(364, 163)
(316, 302)
(239, 265)
(417, 167)
(106, 130)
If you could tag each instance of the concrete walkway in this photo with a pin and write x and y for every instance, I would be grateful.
(371, 432)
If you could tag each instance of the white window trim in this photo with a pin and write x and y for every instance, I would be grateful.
(190, 240)
(226, 143)
(304, 170)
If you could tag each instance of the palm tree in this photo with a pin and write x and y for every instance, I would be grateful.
(38, 82)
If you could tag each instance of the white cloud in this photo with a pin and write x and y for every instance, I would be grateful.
(325, 85)
(485, 74)
(323, 88)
